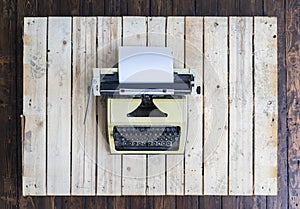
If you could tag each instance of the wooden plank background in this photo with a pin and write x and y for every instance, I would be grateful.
(11, 76)
(81, 178)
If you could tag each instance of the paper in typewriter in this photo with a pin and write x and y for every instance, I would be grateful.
(145, 65)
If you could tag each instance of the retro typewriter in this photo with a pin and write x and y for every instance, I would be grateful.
(144, 116)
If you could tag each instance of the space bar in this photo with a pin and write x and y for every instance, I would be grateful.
(163, 148)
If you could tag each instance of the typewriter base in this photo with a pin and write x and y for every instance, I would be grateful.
(158, 127)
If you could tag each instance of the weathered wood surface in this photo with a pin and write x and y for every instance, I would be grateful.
(108, 166)
(241, 106)
(34, 139)
(156, 163)
(11, 53)
(293, 104)
(215, 106)
(219, 50)
(83, 135)
(265, 106)
(58, 106)
(193, 167)
(175, 163)
(134, 166)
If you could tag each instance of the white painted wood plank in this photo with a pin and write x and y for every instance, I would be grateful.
(83, 135)
(193, 149)
(108, 166)
(59, 106)
(134, 166)
(266, 110)
(156, 163)
(215, 106)
(241, 106)
(175, 163)
(34, 104)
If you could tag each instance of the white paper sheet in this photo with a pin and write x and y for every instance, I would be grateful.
(145, 65)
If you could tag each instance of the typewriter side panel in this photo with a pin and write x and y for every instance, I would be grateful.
(175, 163)
(193, 148)
(215, 106)
(156, 163)
(134, 166)
(109, 167)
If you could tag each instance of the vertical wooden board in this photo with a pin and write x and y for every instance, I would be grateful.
(293, 101)
(215, 106)
(83, 135)
(156, 163)
(193, 148)
(265, 115)
(59, 106)
(281, 200)
(175, 163)
(108, 166)
(241, 106)
(134, 166)
(34, 104)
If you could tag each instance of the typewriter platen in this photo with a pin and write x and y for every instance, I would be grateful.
(145, 118)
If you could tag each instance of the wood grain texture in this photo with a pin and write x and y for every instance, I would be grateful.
(116, 202)
(93, 7)
(246, 8)
(175, 163)
(24, 8)
(265, 107)
(59, 106)
(229, 202)
(161, 7)
(138, 7)
(276, 8)
(293, 104)
(137, 202)
(70, 7)
(96, 203)
(73, 202)
(8, 81)
(186, 7)
(83, 135)
(249, 7)
(215, 106)
(206, 8)
(10, 174)
(108, 166)
(134, 166)
(241, 106)
(34, 138)
(48, 8)
(191, 202)
(156, 163)
(208, 202)
(193, 149)
(86, 64)
(227, 8)
(115, 7)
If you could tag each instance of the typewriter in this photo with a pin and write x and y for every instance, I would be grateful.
(145, 117)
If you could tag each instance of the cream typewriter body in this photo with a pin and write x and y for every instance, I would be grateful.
(145, 118)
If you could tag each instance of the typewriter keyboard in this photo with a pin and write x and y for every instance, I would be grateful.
(143, 138)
